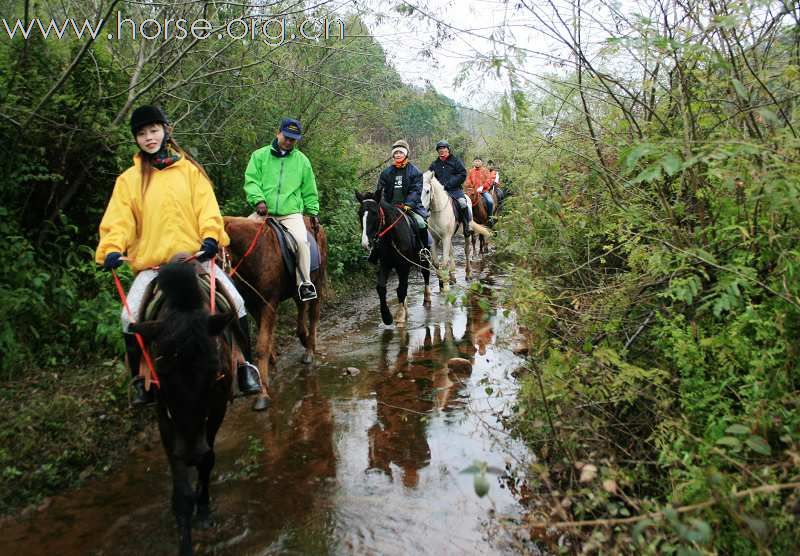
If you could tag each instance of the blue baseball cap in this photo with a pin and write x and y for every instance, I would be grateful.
(291, 128)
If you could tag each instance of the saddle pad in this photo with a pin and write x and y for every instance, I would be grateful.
(456, 212)
(289, 247)
(156, 299)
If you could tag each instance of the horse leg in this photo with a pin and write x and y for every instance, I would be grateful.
(216, 414)
(402, 292)
(468, 269)
(303, 312)
(264, 352)
(182, 505)
(386, 315)
(439, 263)
(473, 239)
(313, 321)
(201, 492)
(447, 245)
(426, 296)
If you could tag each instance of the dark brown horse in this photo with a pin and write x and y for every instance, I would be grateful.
(480, 215)
(264, 282)
(195, 375)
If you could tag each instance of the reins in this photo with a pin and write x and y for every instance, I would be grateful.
(139, 339)
(250, 248)
(383, 219)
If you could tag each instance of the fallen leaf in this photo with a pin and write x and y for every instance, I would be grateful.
(588, 473)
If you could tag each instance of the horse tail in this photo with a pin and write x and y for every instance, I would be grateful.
(179, 283)
(483, 230)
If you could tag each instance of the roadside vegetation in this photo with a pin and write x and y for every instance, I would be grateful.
(653, 244)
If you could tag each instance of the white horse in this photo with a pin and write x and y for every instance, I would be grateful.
(443, 226)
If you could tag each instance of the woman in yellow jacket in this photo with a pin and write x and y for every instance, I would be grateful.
(161, 206)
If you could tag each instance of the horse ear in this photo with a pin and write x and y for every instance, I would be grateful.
(217, 323)
(359, 197)
(148, 329)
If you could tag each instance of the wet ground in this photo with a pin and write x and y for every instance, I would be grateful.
(361, 453)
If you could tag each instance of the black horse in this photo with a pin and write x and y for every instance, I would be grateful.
(193, 368)
(385, 228)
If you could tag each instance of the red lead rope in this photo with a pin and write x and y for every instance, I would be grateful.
(392, 225)
(249, 249)
(213, 289)
(139, 339)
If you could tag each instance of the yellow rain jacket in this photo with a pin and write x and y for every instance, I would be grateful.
(178, 211)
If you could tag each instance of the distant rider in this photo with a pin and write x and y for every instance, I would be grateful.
(401, 184)
(450, 172)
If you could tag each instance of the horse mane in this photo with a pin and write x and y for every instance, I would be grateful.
(186, 334)
(179, 283)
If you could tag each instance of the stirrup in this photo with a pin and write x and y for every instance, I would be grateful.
(306, 291)
(139, 396)
(248, 379)
(425, 256)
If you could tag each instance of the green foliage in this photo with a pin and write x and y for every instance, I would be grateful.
(225, 99)
(657, 282)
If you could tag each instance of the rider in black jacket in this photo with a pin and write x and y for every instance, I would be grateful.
(450, 172)
(401, 184)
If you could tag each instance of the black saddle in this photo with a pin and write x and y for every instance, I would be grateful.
(289, 247)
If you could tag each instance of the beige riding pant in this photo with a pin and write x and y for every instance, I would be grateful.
(296, 226)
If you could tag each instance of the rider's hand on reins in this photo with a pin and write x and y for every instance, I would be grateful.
(113, 260)
(208, 250)
(315, 223)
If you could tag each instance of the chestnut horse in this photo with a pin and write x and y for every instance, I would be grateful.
(195, 376)
(264, 282)
(480, 215)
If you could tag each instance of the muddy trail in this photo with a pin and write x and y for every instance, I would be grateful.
(361, 453)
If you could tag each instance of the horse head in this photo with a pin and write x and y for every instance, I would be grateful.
(427, 192)
(186, 358)
(369, 215)
(436, 195)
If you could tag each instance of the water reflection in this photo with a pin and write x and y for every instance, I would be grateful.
(364, 463)
(399, 436)
(414, 381)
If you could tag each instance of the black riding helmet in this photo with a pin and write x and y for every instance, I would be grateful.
(147, 114)
(441, 144)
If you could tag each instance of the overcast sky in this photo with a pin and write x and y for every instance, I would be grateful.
(405, 40)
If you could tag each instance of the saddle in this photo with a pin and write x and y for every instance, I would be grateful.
(154, 297)
(289, 247)
(456, 211)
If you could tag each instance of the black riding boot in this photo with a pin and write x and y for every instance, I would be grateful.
(139, 397)
(424, 252)
(247, 376)
(465, 217)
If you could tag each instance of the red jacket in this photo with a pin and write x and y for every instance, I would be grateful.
(477, 180)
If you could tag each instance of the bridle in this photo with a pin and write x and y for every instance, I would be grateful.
(382, 231)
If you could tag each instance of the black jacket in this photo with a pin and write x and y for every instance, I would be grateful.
(409, 179)
(450, 172)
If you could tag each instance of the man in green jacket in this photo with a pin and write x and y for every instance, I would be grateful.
(279, 181)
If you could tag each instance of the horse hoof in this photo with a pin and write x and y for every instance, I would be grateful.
(262, 403)
(308, 358)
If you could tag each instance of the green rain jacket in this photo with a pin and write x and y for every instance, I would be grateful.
(284, 181)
